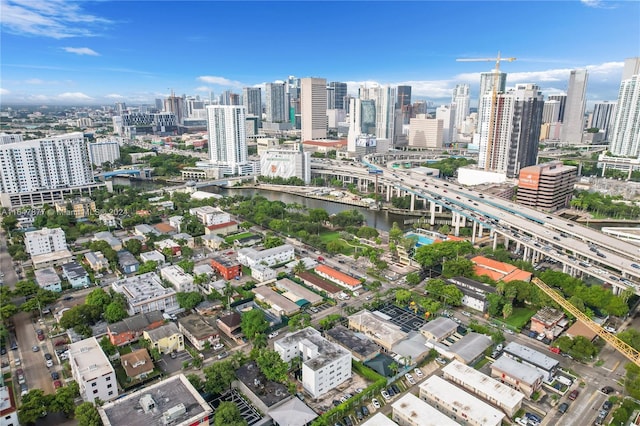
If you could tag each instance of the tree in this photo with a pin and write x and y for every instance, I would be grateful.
(196, 381)
(299, 267)
(444, 229)
(64, 399)
(7, 310)
(218, 377)
(108, 347)
(461, 267)
(99, 298)
(9, 223)
(402, 296)
(253, 322)
(115, 312)
(632, 382)
(186, 265)
(335, 246)
(395, 233)
(299, 321)
(148, 266)
(33, 405)
(87, 415)
(271, 242)
(134, 246)
(272, 365)
(367, 232)
(189, 300)
(507, 310)
(228, 414)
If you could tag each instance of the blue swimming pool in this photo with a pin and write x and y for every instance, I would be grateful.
(422, 240)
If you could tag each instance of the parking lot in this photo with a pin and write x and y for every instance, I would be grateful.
(170, 366)
(247, 411)
(406, 320)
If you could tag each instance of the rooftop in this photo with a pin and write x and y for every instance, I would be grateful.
(418, 410)
(531, 356)
(488, 387)
(327, 352)
(153, 255)
(197, 326)
(261, 254)
(222, 225)
(137, 362)
(141, 288)
(320, 282)
(363, 347)
(164, 228)
(548, 316)
(374, 326)
(338, 276)
(276, 300)
(512, 368)
(125, 258)
(149, 405)
(46, 277)
(51, 257)
(44, 232)
(176, 275)
(7, 401)
(379, 419)
(270, 393)
(89, 359)
(232, 320)
(294, 289)
(137, 322)
(471, 284)
(454, 397)
(471, 346)
(292, 413)
(440, 328)
(74, 270)
(225, 261)
(164, 331)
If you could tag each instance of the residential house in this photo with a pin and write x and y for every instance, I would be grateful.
(166, 338)
(143, 230)
(549, 321)
(137, 364)
(212, 241)
(96, 261)
(128, 263)
(76, 275)
(198, 331)
(153, 256)
(108, 237)
(164, 228)
(229, 324)
(176, 222)
(48, 279)
(189, 241)
(130, 329)
(169, 244)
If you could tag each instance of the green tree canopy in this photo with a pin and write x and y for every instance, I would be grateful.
(272, 365)
(87, 415)
(253, 322)
(228, 414)
(65, 398)
(218, 377)
(115, 312)
(189, 300)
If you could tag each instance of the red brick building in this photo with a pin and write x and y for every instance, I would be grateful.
(130, 329)
(229, 269)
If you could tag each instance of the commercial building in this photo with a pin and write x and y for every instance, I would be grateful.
(104, 152)
(340, 278)
(145, 293)
(375, 327)
(412, 411)
(137, 364)
(92, 371)
(425, 132)
(544, 364)
(75, 274)
(474, 292)
(45, 241)
(132, 328)
(562, 99)
(547, 186)
(286, 163)
(446, 114)
(297, 293)
(198, 331)
(48, 279)
(40, 171)
(173, 401)
(625, 137)
(279, 304)
(502, 396)
(180, 280)
(320, 284)
(227, 137)
(270, 257)
(166, 339)
(276, 105)
(458, 404)
(209, 215)
(573, 121)
(226, 267)
(252, 101)
(361, 349)
(324, 364)
(313, 108)
(519, 376)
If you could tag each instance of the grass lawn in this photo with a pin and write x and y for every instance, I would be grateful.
(329, 236)
(520, 317)
(230, 239)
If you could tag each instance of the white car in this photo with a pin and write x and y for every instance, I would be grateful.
(375, 403)
(274, 334)
(441, 361)
(385, 395)
(418, 372)
(218, 346)
(540, 337)
(410, 379)
(521, 421)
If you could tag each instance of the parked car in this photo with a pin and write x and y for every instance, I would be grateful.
(272, 335)
(35, 348)
(391, 392)
(359, 415)
(607, 390)
(385, 395)
(532, 418)
(20, 374)
(441, 361)
(57, 384)
(24, 389)
(218, 346)
(521, 421)
(418, 372)
(364, 410)
(347, 421)
(396, 389)
(562, 408)
(574, 394)
(17, 362)
(223, 355)
(376, 403)
(410, 378)
(607, 405)
(55, 375)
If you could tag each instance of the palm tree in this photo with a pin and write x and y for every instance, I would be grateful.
(394, 367)
(260, 341)
(299, 268)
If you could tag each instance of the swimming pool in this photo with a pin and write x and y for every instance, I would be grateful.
(422, 240)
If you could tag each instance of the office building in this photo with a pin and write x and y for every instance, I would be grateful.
(384, 98)
(573, 120)
(313, 108)
(252, 101)
(227, 137)
(412, 411)
(338, 93)
(551, 112)
(276, 103)
(460, 98)
(447, 114)
(362, 126)
(487, 82)
(458, 404)
(563, 104)
(44, 241)
(325, 365)
(178, 278)
(404, 97)
(425, 132)
(92, 371)
(104, 152)
(286, 163)
(145, 293)
(509, 132)
(173, 401)
(175, 104)
(547, 186)
(602, 117)
(625, 136)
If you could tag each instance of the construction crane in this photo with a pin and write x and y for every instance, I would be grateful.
(632, 354)
(494, 98)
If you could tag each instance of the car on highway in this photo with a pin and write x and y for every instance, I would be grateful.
(375, 403)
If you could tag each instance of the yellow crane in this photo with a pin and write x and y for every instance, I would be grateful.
(632, 354)
(494, 98)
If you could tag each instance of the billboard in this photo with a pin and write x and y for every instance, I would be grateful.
(529, 179)
(283, 165)
(366, 141)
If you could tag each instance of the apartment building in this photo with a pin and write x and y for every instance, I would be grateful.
(340, 278)
(209, 215)
(92, 371)
(198, 331)
(45, 241)
(226, 267)
(145, 293)
(522, 377)
(178, 278)
(270, 257)
(412, 411)
(524, 354)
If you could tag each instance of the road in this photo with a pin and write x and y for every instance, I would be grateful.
(36, 372)
(10, 277)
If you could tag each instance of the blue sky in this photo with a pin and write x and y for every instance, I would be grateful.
(96, 52)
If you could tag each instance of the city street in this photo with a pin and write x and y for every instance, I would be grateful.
(36, 373)
(10, 277)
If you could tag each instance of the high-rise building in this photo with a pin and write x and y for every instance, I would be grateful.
(404, 97)
(447, 114)
(573, 122)
(121, 108)
(105, 151)
(547, 186)
(425, 132)
(338, 91)
(292, 87)
(460, 98)
(551, 111)
(510, 141)
(331, 99)
(362, 122)
(10, 138)
(563, 105)
(276, 103)
(175, 104)
(227, 136)
(385, 103)
(252, 101)
(487, 81)
(159, 104)
(313, 108)
(625, 136)
(602, 117)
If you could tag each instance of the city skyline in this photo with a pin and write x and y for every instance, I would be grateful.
(60, 52)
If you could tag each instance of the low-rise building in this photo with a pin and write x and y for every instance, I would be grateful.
(212, 241)
(262, 273)
(145, 293)
(179, 279)
(173, 401)
(48, 260)
(342, 279)
(130, 329)
(128, 262)
(471, 347)
(143, 230)
(198, 331)
(279, 304)
(108, 237)
(203, 269)
(297, 293)
(379, 419)
(523, 377)
(48, 279)
(209, 215)
(377, 328)
(225, 228)
(230, 325)
(96, 260)
(153, 256)
(412, 411)
(474, 292)
(320, 284)
(176, 222)
(524, 354)
(458, 404)
(137, 364)
(8, 406)
(79, 208)
(166, 338)
(44, 241)
(500, 395)
(270, 257)
(361, 349)
(164, 228)
(185, 239)
(226, 267)
(439, 329)
(168, 245)
(499, 271)
(107, 219)
(263, 393)
(325, 365)
(75, 274)
(549, 321)
(92, 371)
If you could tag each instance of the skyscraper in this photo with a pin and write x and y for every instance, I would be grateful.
(227, 136)
(276, 103)
(551, 112)
(460, 98)
(313, 108)
(404, 97)
(252, 101)
(175, 104)
(385, 102)
(573, 122)
(510, 142)
(563, 104)
(487, 81)
(447, 114)
(339, 92)
(602, 117)
(625, 137)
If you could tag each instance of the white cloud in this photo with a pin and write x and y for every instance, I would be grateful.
(81, 51)
(74, 96)
(114, 96)
(219, 81)
(48, 18)
(4, 91)
(598, 4)
(34, 81)
(203, 89)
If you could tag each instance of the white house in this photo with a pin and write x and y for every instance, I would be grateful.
(178, 278)
(92, 371)
(209, 215)
(269, 257)
(261, 273)
(145, 293)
